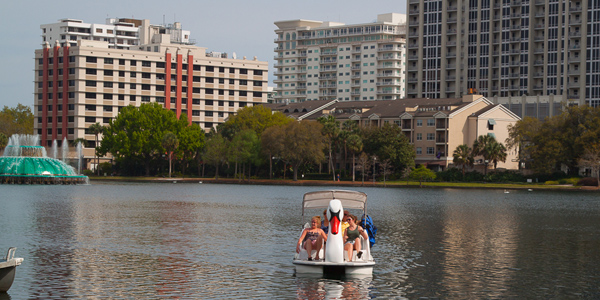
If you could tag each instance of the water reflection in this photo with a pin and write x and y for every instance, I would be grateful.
(215, 241)
(345, 287)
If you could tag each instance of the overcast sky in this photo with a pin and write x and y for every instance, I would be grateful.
(241, 26)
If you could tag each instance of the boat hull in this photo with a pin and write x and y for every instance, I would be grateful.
(7, 276)
(346, 268)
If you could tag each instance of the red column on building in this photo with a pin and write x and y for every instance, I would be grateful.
(55, 92)
(65, 91)
(179, 80)
(45, 54)
(168, 80)
(190, 85)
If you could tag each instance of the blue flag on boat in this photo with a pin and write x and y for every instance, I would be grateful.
(367, 223)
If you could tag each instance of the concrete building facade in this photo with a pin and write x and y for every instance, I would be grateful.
(318, 60)
(77, 86)
(506, 49)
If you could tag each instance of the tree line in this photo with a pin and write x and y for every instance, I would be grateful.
(146, 137)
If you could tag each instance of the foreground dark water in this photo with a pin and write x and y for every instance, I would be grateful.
(226, 241)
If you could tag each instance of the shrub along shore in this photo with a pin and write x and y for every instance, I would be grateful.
(344, 183)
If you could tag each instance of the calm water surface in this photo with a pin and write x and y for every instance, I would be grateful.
(192, 241)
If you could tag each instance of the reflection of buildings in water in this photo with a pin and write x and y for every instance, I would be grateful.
(479, 249)
(317, 287)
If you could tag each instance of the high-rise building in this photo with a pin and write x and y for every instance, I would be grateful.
(77, 86)
(533, 50)
(318, 60)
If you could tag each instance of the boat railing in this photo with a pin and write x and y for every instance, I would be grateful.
(11, 253)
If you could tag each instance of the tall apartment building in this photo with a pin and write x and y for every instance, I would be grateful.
(77, 86)
(318, 60)
(529, 49)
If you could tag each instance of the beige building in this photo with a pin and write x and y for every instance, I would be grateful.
(435, 127)
(77, 86)
(318, 60)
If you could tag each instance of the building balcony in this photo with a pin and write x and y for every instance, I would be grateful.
(411, 80)
(387, 83)
(451, 8)
(388, 49)
(575, 22)
(538, 87)
(387, 74)
(575, 9)
(329, 61)
(328, 53)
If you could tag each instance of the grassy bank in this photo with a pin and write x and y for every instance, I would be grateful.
(390, 184)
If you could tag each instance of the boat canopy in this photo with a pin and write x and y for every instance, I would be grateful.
(349, 199)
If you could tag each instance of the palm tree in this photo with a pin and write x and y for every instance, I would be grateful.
(170, 143)
(96, 129)
(463, 156)
(355, 145)
(480, 147)
(496, 152)
(331, 131)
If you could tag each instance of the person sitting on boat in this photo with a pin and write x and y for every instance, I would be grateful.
(325, 222)
(312, 238)
(352, 237)
(344, 223)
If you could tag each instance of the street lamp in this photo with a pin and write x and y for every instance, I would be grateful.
(486, 162)
(374, 161)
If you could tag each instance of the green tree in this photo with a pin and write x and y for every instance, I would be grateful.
(521, 136)
(463, 156)
(481, 148)
(496, 152)
(215, 152)
(388, 142)
(349, 128)
(243, 148)
(84, 142)
(191, 142)
(355, 145)
(256, 118)
(137, 132)
(17, 120)
(422, 173)
(3, 141)
(96, 129)
(331, 131)
(303, 143)
(170, 142)
(272, 144)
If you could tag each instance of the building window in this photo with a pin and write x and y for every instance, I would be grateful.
(90, 59)
(430, 136)
(419, 136)
(419, 151)
(430, 122)
(419, 123)
(430, 151)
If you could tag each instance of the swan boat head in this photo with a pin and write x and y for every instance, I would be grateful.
(334, 251)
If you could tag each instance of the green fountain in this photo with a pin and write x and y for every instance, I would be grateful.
(25, 162)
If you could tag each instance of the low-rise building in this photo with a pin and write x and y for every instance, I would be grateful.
(435, 127)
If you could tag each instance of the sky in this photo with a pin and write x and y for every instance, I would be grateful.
(241, 26)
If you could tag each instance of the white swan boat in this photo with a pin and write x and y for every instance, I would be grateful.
(8, 267)
(335, 260)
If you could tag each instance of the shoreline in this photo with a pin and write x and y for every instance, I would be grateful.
(393, 184)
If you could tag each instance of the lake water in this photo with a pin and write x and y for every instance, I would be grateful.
(207, 241)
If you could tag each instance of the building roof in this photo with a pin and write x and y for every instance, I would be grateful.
(417, 107)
